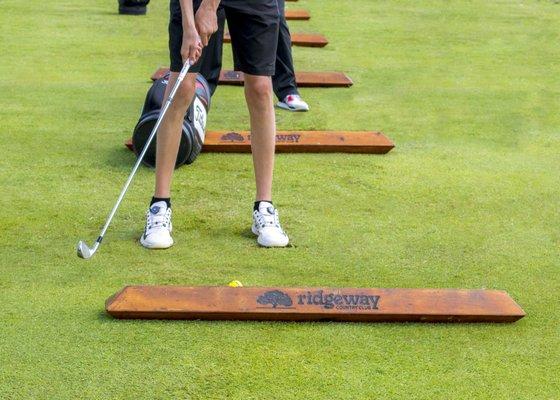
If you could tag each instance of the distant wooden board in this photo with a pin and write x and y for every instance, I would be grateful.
(367, 142)
(297, 15)
(303, 79)
(313, 304)
(298, 39)
(302, 142)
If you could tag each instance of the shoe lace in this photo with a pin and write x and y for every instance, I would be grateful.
(158, 221)
(271, 220)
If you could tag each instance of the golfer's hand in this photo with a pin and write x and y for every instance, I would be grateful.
(206, 22)
(192, 47)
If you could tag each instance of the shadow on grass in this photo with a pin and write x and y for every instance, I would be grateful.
(80, 12)
(246, 233)
(120, 158)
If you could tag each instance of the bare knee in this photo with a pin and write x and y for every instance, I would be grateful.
(258, 89)
(185, 93)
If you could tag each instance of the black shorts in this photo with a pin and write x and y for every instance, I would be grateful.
(253, 26)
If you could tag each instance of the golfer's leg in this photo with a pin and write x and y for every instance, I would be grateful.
(169, 134)
(258, 94)
(253, 27)
(157, 233)
(284, 79)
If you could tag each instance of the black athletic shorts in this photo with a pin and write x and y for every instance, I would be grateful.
(253, 26)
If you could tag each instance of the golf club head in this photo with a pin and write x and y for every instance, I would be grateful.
(84, 251)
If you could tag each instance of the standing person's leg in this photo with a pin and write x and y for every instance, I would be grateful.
(253, 26)
(169, 134)
(211, 63)
(157, 234)
(258, 94)
(284, 79)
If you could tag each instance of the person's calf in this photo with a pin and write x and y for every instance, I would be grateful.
(169, 134)
(258, 94)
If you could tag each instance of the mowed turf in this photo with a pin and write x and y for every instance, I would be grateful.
(469, 198)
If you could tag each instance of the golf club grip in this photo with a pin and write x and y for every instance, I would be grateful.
(178, 82)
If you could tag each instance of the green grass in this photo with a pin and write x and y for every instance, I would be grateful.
(469, 198)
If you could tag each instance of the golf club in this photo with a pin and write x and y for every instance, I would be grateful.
(84, 251)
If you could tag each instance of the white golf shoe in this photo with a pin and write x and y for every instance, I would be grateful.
(266, 226)
(157, 234)
(293, 102)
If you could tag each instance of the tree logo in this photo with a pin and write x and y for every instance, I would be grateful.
(275, 298)
(232, 137)
(232, 75)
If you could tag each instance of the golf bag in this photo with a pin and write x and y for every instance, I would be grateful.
(133, 7)
(194, 124)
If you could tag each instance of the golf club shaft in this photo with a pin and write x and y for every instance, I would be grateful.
(180, 78)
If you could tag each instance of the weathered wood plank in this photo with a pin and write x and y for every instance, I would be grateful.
(301, 15)
(303, 79)
(299, 142)
(313, 304)
(298, 39)
(302, 142)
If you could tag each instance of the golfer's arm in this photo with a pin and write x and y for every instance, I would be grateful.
(187, 13)
(211, 4)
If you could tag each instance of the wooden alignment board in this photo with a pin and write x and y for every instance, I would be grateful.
(313, 304)
(298, 39)
(299, 142)
(302, 142)
(301, 15)
(304, 79)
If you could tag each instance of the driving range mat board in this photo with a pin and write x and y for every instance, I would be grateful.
(298, 39)
(303, 79)
(368, 142)
(297, 15)
(313, 304)
(302, 142)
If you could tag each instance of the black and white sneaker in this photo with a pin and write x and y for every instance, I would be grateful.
(157, 234)
(266, 226)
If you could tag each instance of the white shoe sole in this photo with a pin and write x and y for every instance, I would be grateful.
(264, 243)
(156, 246)
(284, 106)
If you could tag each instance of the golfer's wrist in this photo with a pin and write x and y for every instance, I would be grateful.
(210, 5)
(188, 23)
(187, 13)
(189, 29)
